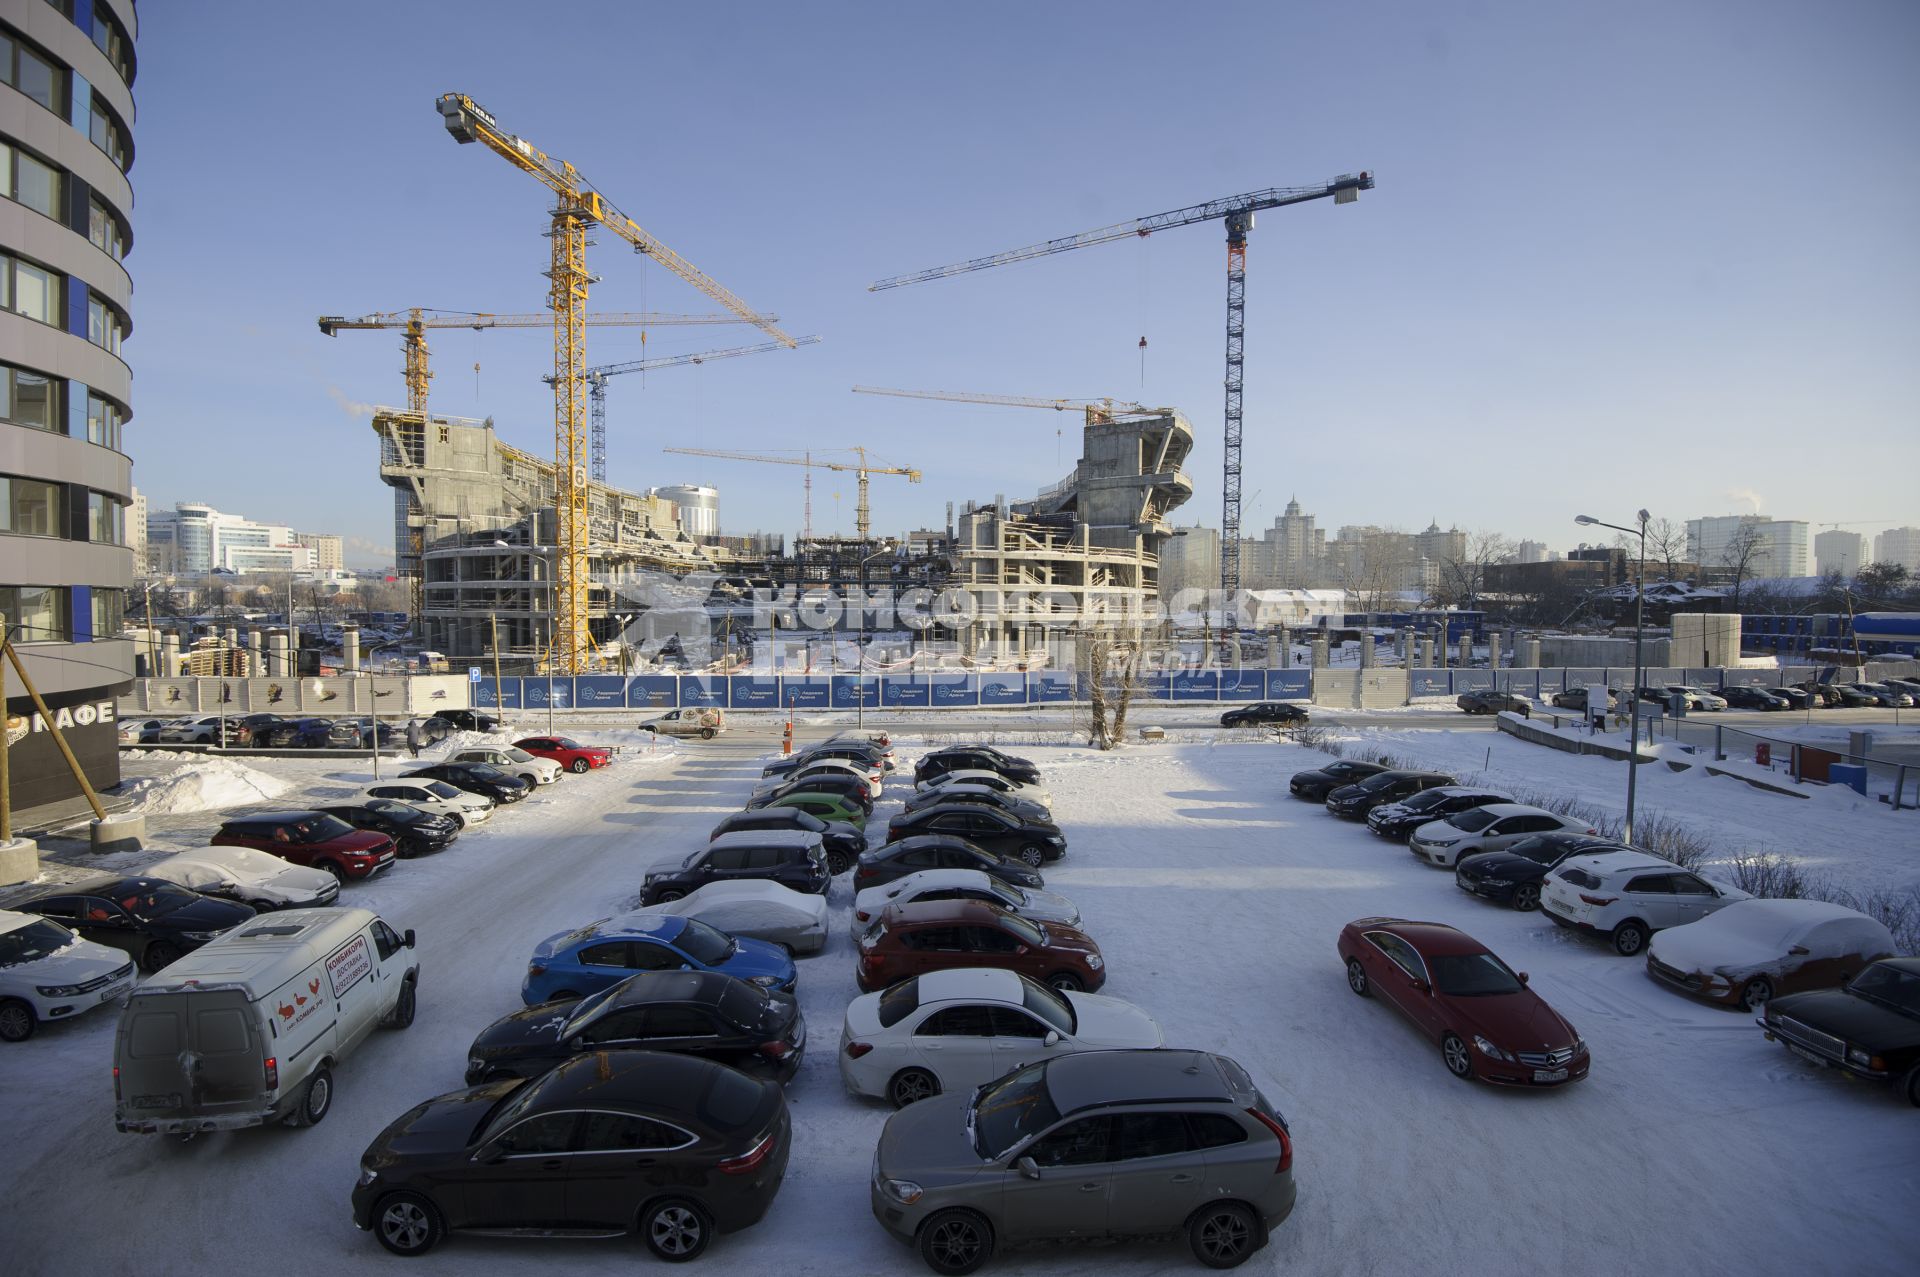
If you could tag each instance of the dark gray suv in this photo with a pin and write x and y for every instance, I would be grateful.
(1094, 1145)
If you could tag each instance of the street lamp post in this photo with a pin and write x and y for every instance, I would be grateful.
(1639, 676)
(373, 704)
(860, 646)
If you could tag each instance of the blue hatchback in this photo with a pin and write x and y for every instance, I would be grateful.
(576, 963)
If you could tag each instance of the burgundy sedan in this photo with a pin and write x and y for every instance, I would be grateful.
(569, 753)
(1488, 1023)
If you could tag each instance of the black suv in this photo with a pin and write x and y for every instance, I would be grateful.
(843, 842)
(705, 1013)
(791, 857)
(976, 758)
(938, 851)
(468, 720)
(1315, 785)
(1354, 801)
(1264, 712)
(476, 778)
(1398, 820)
(848, 786)
(1514, 873)
(1870, 1027)
(414, 832)
(865, 755)
(1752, 697)
(965, 793)
(1491, 702)
(153, 920)
(1005, 833)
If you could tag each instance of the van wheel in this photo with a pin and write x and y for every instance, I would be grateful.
(317, 1100)
(408, 1224)
(676, 1229)
(956, 1242)
(580, 767)
(1224, 1235)
(159, 954)
(706, 733)
(1629, 937)
(403, 1007)
(17, 1021)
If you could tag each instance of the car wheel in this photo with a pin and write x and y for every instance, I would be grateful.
(910, 1086)
(408, 1224)
(706, 733)
(17, 1021)
(676, 1229)
(1456, 1055)
(317, 1100)
(955, 1242)
(403, 1007)
(1758, 993)
(459, 820)
(1357, 978)
(159, 955)
(262, 906)
(1065, 982)
(579, 766)
(1034, 856)
(1223, 1235)
(1526, 897)
(838, 863)
(1629, 937)
(671, 893)
(1913, 1087)
(339, 874)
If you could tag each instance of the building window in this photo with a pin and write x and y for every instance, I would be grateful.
(109, 612)
(31, 507)
(35, 613)
(32, 73)
(105, 519)
(108, 134)
(33, 291)
(103, 422)
(29, 181)
(104, 230)
(29, 399)
(104, 325)
(111, 39)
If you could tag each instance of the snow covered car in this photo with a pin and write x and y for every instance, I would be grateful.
(965, 884)
(872, 778)
(514, 761)
(992, 780)
(1628, 895)
(1753, 950)
(956, 1029)
(435, 797)
(249, 876)
(1488, 828)
(49, 973)
(757, 908)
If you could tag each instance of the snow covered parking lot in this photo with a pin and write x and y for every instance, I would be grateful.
(1694, 1146)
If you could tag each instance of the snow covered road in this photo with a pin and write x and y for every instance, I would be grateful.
(1695, 1146)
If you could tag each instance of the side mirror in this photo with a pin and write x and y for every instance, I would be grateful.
(487, 1154)
(1421, 986)
(406, 937)
(685, 966)
(1052, 1038)
(1799, 951)
(1522, 975)
(1028, 1168)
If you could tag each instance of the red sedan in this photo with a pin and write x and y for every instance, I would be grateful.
(1488, 1023)
(570, 754)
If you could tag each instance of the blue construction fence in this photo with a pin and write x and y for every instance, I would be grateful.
(1545, 682)
(848, 691)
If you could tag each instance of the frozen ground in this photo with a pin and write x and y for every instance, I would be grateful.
(1696, 1146)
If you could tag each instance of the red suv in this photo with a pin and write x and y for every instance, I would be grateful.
(570, 754)
(908, 940)
(310, 838)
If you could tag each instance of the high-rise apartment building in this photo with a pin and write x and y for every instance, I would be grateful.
(1898, 545)
(1780, 545)
(329, 550)
(1838, 551)
(66, 144)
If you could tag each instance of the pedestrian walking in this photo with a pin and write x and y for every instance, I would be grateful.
(414, 736)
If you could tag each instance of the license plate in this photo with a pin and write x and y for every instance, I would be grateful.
(108, 995)
(1549, 1075)
(1810, 1056)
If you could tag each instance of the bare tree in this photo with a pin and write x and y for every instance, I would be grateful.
(1111, 658)
(1667, 542)
(1463, 580)
(1745, 551)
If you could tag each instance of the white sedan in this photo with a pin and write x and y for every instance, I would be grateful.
(436, 797)
(757, 909)
(1489, 828)
(49, 973)
(965, 884)
(992, 780)
(249, 876)
(514, 761)
(955, 1029)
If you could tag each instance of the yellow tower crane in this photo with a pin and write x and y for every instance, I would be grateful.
(577, 207)
(414, 322)
(862, 519)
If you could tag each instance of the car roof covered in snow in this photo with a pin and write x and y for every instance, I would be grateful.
(945, 912)
(1762, 930)
(970, 984)
(1618, 862)
(782, 838)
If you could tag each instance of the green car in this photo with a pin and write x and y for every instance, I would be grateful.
(826, 806)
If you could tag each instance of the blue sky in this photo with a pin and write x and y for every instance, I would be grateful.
(1621, 255)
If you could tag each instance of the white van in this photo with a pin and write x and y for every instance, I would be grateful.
(246, 1029)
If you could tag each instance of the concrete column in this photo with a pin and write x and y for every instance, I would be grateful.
(170, 655)
(1319, 653)
(1494, 638)
(1426, 651)
(1439, 642)
(1406, 647)
(1366, 649)
(1286, 648)
(1528, 655)
(257, 646)
(1466, 650)
(279, 653)
(350, 647)
(1273, 651)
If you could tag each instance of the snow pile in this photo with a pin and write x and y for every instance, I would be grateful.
(209, 784)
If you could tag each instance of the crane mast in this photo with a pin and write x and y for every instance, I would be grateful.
(862, 518)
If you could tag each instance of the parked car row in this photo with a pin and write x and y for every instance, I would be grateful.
(272, 731)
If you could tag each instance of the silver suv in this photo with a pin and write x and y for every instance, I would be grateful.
(1094, 1145)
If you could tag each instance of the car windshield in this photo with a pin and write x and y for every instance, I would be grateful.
(484, 771)
(517, 754)
(1025, 931)
(399, 813)
(1472, 975)
(1380, 780)
(320, 829)
(1047, 1004)
(149, 900)
(591, 1008)
(440, 789)
(1889, 986)
(897, 1003)
(1425, 799)
(33, 942)
(746, 1005)
(1007, 894)
(1472, 821)
(508, 1111)
(703, 944)
(1010, 1110)
(567, 742)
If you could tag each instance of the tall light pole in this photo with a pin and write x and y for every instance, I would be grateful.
(1639, 616)
(860, 646)
(373, 704)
